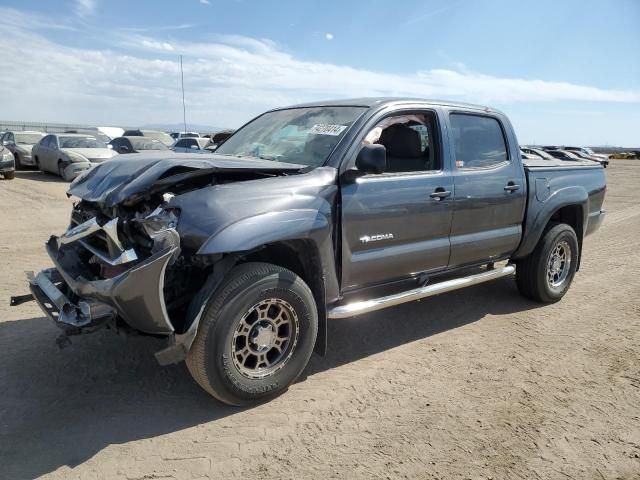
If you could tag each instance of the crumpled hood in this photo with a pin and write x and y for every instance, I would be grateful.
(126, 178)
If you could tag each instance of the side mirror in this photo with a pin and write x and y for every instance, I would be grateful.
(6, 142)
(123, 149)
(372, 159)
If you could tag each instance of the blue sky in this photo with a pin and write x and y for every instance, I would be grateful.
(564, 71)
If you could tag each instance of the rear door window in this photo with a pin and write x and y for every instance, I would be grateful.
(478, 140)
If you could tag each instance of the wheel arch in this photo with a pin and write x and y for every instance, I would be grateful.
(573, 211)
(299, 240)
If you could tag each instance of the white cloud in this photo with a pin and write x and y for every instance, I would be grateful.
(154, 45)
(205, 2)
(328, 36)
(228, 79)
(85, 8)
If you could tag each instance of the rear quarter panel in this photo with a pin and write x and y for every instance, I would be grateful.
(554, 187)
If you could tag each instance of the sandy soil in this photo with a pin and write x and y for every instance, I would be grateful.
(478, 383)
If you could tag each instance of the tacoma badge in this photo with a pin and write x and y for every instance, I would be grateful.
(375, 238)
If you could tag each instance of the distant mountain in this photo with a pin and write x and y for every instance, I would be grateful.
(179, 127)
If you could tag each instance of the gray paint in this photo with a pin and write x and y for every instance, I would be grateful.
(479, 222)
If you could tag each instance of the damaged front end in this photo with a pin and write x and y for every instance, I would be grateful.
(132, 255)
(110, 270)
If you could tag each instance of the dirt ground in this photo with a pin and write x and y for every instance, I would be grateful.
(478, 383)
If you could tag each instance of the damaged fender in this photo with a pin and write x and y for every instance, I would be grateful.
(253, 232)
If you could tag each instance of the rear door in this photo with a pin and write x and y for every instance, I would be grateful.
(489, 188)
(395, 225)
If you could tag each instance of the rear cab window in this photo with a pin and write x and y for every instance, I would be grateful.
(479, 141)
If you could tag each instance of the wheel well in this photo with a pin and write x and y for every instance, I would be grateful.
(303, 259)
(572, 215)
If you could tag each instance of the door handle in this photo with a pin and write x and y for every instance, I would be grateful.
(440, 193)
(511, 187)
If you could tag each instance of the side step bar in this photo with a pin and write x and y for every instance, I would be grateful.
(358, 308)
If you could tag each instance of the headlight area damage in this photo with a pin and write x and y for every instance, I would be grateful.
(122, 263)
(100, 279)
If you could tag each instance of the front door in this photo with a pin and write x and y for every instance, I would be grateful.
(489, 190)
(46, 153)
(396, 224)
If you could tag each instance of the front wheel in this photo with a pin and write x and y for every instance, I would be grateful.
(256, 335)
(546, 274)
(62, 172)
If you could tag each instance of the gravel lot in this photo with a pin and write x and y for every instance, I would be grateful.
(479, 383)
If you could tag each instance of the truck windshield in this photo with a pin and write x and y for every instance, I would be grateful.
(304, 136)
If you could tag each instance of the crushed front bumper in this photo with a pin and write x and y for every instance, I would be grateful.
(76, 304)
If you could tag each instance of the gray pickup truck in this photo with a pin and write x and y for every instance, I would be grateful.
(310, 213)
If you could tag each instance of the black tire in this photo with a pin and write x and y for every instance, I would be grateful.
(17, 161)
(535, 273)
(9, 175)
(211, 359)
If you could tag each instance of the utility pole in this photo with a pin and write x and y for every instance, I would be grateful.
(184, 108)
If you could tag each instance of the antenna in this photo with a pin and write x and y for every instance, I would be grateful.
(184, 108)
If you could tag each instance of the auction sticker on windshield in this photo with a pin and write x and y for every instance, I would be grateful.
(326, 129)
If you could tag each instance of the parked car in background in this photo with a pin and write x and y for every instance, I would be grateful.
(179, 135)
(586, 151)
(623, 155)
(157, 134)
(528, 156)
(136, 144)
(69, 154)
(7, 165)
(563, 155)
(219, 138)
(20, 145)
(602, 161)
(112, 132)
(193, 145)
(536, 151)
(94, 132)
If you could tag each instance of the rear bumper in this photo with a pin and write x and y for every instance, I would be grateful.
(75, 303)
(595, 221)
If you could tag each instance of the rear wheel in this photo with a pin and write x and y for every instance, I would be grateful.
(256, 335)
(546, 274)
(18, 163)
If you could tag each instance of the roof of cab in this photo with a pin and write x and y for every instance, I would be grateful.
(384, 101)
